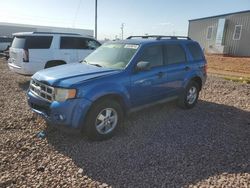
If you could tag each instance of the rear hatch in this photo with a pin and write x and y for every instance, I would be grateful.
(17, 51)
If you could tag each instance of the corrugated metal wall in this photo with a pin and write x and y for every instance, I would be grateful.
(198, 31)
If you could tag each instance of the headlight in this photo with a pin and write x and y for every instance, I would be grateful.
(64, 94)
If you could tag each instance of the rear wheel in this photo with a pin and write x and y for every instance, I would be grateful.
(190, 96)
(103, 120)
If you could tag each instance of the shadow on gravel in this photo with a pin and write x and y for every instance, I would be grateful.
(24, 85)
(165, 146)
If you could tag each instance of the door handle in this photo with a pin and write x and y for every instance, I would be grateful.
(187, 68)
(160, 74)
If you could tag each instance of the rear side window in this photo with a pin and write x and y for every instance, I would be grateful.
(32, 42)
(174, 53)
(78, 43)
(195, 51)
(153, 55)
(38, 42)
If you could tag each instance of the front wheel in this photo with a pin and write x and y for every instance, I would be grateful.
(103, 120)
(190, 95)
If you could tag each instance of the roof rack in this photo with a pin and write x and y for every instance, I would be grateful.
(39, 32)
(159, 37)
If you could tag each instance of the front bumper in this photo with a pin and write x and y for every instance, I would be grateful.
(68, 115)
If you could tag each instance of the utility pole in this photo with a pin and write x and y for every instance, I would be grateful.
(95, 19)
(122, 28)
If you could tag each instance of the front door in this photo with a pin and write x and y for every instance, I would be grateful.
(148, 86)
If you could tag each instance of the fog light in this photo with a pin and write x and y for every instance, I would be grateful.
(60, 117)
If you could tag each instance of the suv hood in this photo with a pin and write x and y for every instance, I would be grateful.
(70, 74)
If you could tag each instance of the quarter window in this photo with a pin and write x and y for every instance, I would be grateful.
(209, 32)
(153, 55)
(237, 32)
(174, 53)
(195, 51)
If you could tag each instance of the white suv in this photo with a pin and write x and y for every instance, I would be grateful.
(34, 51)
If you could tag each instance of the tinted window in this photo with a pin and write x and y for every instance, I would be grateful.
(38, 42)
(5, 39)
(69, 43)
(195, 51)
(153, 55)
(174, 53)
(18, 42)
(78, 43)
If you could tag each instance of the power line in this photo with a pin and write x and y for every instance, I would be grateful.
(76, 14)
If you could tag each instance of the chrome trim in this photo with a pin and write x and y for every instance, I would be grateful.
(42, 90)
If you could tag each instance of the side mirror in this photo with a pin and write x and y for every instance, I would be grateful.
(143, 66)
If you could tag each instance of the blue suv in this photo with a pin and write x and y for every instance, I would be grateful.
(119, 77)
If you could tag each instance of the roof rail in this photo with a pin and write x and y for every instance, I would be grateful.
(159, 37)
(39, 32)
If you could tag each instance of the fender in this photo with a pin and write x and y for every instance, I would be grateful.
(109, 88)
(192, 75)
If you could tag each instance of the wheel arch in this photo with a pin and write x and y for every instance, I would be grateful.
(58, 62)
(112, 96)
(198, 80)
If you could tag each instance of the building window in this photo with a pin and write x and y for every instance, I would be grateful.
(237, 32)
(209, 32)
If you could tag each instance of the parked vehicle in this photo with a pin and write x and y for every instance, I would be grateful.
(5, 43)
(34, 51)
(118, 78)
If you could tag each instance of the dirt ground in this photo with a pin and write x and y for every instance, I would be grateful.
(230, 66)
(162, 146)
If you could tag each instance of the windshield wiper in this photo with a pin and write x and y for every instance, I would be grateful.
(97, 65)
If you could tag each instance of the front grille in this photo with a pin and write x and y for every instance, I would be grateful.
(42, 90)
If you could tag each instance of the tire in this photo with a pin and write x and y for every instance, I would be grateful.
(53, 64)
(190, 95)
(103, 120)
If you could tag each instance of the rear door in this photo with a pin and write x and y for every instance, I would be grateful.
(177, 66)
(197, 60)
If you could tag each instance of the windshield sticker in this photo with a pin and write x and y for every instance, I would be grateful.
(113, 45)
(131, 46)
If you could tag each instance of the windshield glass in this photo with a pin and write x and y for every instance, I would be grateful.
(112, 55)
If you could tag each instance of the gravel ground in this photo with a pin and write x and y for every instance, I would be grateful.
(163, 146)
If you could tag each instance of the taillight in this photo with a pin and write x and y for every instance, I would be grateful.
(25, 55)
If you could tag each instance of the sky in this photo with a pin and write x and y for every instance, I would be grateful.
(164, 17)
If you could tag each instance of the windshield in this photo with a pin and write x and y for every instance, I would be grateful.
(112, 55)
